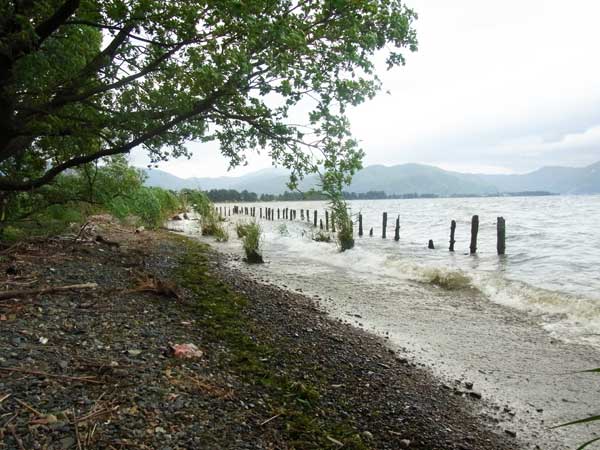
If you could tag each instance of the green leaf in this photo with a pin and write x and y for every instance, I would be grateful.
(588, 443)
(575, 422)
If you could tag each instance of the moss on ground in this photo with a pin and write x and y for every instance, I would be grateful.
(307, 422)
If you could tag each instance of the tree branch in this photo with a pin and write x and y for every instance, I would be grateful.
(49, 26)
(201, 107)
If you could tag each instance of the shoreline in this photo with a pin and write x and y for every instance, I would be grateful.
(527, 378)
(276, 371)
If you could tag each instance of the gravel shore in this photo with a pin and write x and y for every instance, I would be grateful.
(95, 368)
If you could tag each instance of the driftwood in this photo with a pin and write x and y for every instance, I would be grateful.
(46, 290)
(150, 284)
(101, 240)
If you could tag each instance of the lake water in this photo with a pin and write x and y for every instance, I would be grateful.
(552, 265)
(514, 324)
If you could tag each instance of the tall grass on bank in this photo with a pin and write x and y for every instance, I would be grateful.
(251, 234)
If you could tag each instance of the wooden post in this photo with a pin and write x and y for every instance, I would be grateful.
(302, 214)
(360, 226)
(332, 222)
(326, 220)
(501, 229)
(430, 246)
(384, 227)
(278, 213)
(452, 230)
(321, 223)
(371, 232)
(315, 218)
(397, 230)
(474, 232)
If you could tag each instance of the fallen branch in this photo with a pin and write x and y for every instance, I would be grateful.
(81, 230)
(156, 286)
(50, 375)
(4, 397)
(46, 290)
(101, 240)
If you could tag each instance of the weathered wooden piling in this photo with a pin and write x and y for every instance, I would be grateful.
(315, 218)
(371, 232)
(501, 229)
(474, 232)
(452, 230)
(360, 225)
(384, 226)
(326, 220)
(321, 224)
(397, 229)
(430, 245)
(302, 215)
(307, 215)
(278, 212)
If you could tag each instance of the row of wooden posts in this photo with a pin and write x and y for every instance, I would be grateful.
(291, 214)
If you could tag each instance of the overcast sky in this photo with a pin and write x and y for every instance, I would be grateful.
(496, 87)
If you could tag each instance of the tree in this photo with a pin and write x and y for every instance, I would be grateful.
(85, 79)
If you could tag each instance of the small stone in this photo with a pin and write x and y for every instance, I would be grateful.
(468, 385)
(404, 443)
(474, 394)
(160, 430)
(67, 442)
(134, 352)
(367, 435)
(511, 433)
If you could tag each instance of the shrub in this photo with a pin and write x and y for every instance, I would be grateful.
(345, 234)
(242, 229)
(221, 234)
(251, 243)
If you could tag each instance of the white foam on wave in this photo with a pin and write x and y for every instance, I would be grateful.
(566, 316)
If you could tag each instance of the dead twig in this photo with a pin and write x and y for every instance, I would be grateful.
(29, 407)
(46, 290)
(268, 420)
(51, 375)
(76, 425)
(4, 397)
(94, 414)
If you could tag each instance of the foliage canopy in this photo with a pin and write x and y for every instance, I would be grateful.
(85, 79)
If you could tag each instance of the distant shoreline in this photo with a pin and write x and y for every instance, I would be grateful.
(231, 196)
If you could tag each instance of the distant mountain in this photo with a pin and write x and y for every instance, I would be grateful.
(561, 180)
(405, 179)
